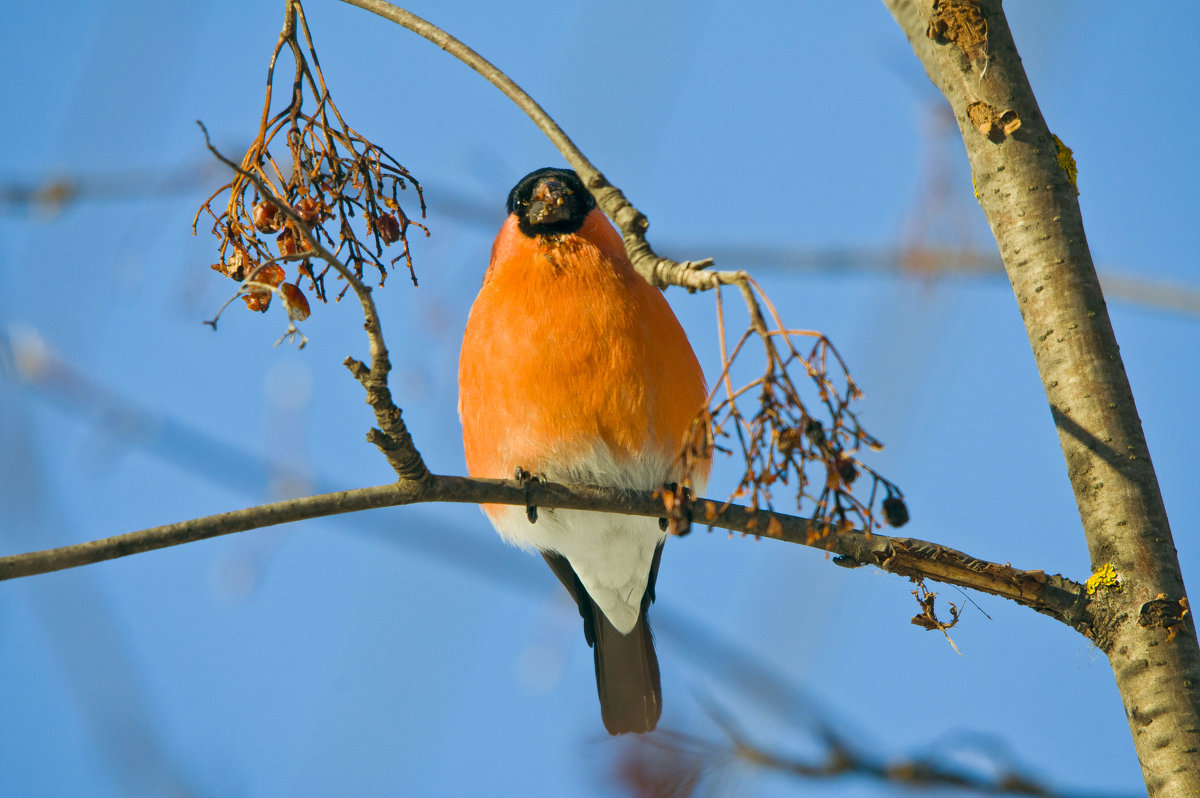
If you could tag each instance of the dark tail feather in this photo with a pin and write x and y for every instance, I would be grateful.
(626, 665)
(627, 676)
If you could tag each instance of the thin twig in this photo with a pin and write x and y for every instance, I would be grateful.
(632, 223)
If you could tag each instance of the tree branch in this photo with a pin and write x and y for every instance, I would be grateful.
(1025, 182)
(1055, 596)
(632, 223)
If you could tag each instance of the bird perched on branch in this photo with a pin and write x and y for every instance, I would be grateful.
(575, 369)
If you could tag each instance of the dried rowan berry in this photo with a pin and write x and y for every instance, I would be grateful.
(309, 210)
(295, 302)
(815, 432)
(266, 217)
(846, 470)
(388, 228)
(895, 511)
(789, 439)
(237, 264)
(271, 274)
(286, 242)
(257, 300)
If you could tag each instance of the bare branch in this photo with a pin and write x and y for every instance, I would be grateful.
(630, 221)
(1055, 596)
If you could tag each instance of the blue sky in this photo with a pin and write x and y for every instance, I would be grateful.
(408, 651)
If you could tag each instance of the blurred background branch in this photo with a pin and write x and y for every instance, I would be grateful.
(668, 764)
(43, 200)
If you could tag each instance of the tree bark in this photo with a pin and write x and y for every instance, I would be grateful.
(1024, 180)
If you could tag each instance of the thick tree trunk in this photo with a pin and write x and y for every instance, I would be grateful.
(1025, 184)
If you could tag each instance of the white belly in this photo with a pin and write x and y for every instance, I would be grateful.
(610, 553)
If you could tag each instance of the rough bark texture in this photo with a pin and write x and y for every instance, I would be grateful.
(1029, 196)
(1053, 595)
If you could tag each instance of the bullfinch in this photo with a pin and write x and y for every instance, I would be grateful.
(574, 368)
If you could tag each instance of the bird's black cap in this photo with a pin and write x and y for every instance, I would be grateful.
(550, 201)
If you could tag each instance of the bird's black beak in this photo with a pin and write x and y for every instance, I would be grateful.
(550, 203)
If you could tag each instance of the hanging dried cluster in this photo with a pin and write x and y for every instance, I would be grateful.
(329, 175)
(807, 442)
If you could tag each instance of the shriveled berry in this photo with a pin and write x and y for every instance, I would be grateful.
(895, 511)
(237, 264)
(295, 302)
(309, 210)
(266, 217)
(257, 300)
(271, 274)
(388, 228)
(789, 439)
(286, 242)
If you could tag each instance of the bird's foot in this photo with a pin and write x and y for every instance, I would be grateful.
(526, 479)
(677, 501)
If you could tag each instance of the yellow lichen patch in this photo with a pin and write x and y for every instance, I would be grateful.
(1066, 162)
(1105, 577)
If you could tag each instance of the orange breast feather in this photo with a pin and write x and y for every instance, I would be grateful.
(567, 346)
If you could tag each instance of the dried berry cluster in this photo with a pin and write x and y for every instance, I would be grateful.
(279, 206)
(808, 443)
